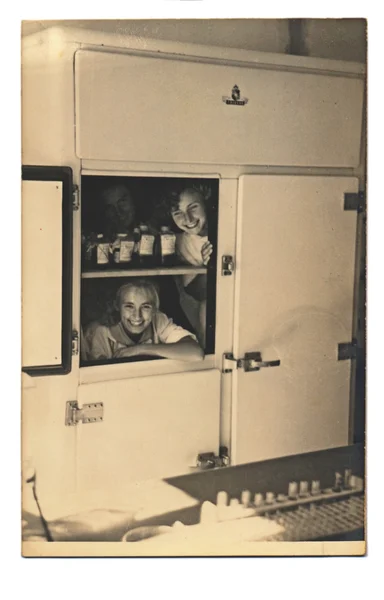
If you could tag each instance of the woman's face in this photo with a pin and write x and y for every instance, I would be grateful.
(136, 310)
(190, 215)
(120, 204)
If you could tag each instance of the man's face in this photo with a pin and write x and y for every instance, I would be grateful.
(136, 310)
(120, 199)
(190, 216)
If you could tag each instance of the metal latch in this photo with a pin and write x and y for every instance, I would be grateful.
(89, 413)
(252, 361)
(347, 351)
(227, 265)
(354, 201)
(209, 460)
(75, 197)
(75, 342)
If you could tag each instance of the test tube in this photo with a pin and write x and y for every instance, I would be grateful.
(259, 500)
(292, 490)
(246, 497)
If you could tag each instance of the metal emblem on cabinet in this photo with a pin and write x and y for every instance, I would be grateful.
(235, 97)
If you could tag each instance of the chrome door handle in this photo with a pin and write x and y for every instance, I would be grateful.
(252, 361)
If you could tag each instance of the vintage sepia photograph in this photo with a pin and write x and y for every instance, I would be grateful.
(194, 287)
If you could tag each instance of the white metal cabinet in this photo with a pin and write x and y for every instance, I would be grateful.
(293, 302)
(162, 110)
(141, 111)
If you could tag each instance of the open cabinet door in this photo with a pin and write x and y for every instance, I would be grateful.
(294, 286)
(46, 270)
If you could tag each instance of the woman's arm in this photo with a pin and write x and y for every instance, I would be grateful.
(206, 252)
(185, 349)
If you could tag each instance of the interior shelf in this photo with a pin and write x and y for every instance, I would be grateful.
(155, 271)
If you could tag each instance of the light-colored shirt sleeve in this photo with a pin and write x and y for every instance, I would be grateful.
(168, 332)
(99, 345)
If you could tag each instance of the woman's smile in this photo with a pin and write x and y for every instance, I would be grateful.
(190, 215)
(192, 225)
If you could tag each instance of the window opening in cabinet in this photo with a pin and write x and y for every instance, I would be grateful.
(149, 258)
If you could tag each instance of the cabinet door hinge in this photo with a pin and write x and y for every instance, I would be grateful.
(75, 197)
(227, 265)
(229, 363)
(354, 201)
(347, 351)
(89, 413)
(75, 342)
(209, 460)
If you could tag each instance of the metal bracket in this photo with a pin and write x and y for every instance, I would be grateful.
(209, 460)
(75, 197)
(229, 363)
(347, 351)
(354, 201)
(75, 342)
(89, 413)
(227, 265)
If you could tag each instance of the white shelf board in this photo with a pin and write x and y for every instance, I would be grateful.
(150, 272)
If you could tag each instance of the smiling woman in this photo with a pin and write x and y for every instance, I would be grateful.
(141, 330)
(189, 214)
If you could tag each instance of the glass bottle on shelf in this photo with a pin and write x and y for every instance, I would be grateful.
(102, 252)
(115, 249)
(126, 243)
(146, 246)
(166, 246)
(88, 250)
(136, 246)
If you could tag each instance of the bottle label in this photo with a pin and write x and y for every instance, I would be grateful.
(102, 253)
(168, 243)
(146, 244)
(126, 250)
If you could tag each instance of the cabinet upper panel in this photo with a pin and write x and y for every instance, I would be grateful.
(135, 108)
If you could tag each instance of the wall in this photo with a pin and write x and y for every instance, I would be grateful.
(342, 39)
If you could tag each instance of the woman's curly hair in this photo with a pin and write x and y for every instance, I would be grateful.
(170, 201)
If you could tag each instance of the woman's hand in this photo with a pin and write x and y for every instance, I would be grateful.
(206, 252)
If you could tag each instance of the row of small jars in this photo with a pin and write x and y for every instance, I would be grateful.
(142, 247)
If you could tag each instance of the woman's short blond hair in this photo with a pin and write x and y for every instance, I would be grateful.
(140, 284)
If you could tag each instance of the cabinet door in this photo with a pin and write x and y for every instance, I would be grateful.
(153, 427)
(136, 108)
(47, 270)
(294, 285)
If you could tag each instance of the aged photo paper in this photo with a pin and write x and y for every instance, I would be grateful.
(193, 287)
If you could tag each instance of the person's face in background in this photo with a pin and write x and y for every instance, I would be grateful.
(136, 310)
(190, 215)
(120, 205)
